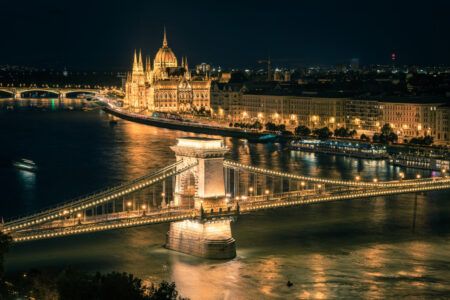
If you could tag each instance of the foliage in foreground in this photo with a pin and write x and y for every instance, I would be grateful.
(77, 285)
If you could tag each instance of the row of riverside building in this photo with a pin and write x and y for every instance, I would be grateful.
(408, 116)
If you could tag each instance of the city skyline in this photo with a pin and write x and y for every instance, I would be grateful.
(102, 35)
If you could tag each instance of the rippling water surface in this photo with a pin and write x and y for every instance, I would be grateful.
(353, 249)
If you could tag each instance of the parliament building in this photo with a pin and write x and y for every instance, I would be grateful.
(167, 86)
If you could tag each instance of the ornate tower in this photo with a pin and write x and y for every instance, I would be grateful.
(202, 237)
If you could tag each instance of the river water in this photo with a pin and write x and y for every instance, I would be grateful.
(351, 249)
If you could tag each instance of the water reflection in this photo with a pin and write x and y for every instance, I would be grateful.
(352, 249)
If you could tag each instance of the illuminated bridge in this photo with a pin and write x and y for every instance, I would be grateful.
(199, 195)
(29, 92)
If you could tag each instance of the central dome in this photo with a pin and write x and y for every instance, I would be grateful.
(165, 58)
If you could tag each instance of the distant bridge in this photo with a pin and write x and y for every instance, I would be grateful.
(199, 195)
(18, 92)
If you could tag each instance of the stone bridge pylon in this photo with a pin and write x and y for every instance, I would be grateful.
(202, 187)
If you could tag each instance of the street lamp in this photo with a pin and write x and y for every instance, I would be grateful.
(375, 180)
(418, 176)
(357, 178)
(402, 175)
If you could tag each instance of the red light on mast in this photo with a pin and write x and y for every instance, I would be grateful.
(393, 56)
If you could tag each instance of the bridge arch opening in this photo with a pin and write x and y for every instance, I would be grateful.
(6, 94)
(39, 94)
(79, 95)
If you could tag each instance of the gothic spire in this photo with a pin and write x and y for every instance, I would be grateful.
(135, 61)
(140, 64)
(165, 38)
(148, 65)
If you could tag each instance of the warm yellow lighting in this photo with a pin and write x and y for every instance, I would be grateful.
(357, 178)
(319, 186)
(332, 120)
(402, 175)
(260, 115)
(129, 203)
(302, 183)
(266, 192)
(418, 176)
(163, 194)
(143, 206)
(375, 180)
(250, 189)
(79, 215)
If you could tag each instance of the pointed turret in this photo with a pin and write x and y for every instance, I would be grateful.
(135, 62)
(165, 38)
(140, 64)
(148, 65)
(186, 66)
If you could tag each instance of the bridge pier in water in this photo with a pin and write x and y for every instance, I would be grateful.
(203, 188)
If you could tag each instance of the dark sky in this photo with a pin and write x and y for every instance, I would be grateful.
(102, 34)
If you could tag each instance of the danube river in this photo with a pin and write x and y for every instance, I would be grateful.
(351, 249)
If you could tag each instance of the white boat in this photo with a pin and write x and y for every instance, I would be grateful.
(25, 164)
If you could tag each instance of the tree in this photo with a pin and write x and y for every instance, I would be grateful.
(386, 129)
(392, 137)
(302, 130)
(376, 138)
(323, 133)
(428, 140)
(5, 243)
(341, 132)
(165, 291)
(365, 138)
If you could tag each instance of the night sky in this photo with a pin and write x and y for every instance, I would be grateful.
(102, 34)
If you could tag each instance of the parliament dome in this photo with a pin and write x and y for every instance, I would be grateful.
(165, 58)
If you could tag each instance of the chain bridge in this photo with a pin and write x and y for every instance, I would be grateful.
(199, 195)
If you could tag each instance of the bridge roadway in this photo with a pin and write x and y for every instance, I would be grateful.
(16, 92)
(236, 206)
(96, 199)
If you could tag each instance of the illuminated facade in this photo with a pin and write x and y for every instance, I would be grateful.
(412, 117)
(167, 86)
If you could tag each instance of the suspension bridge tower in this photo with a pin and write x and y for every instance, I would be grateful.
(202, 187)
